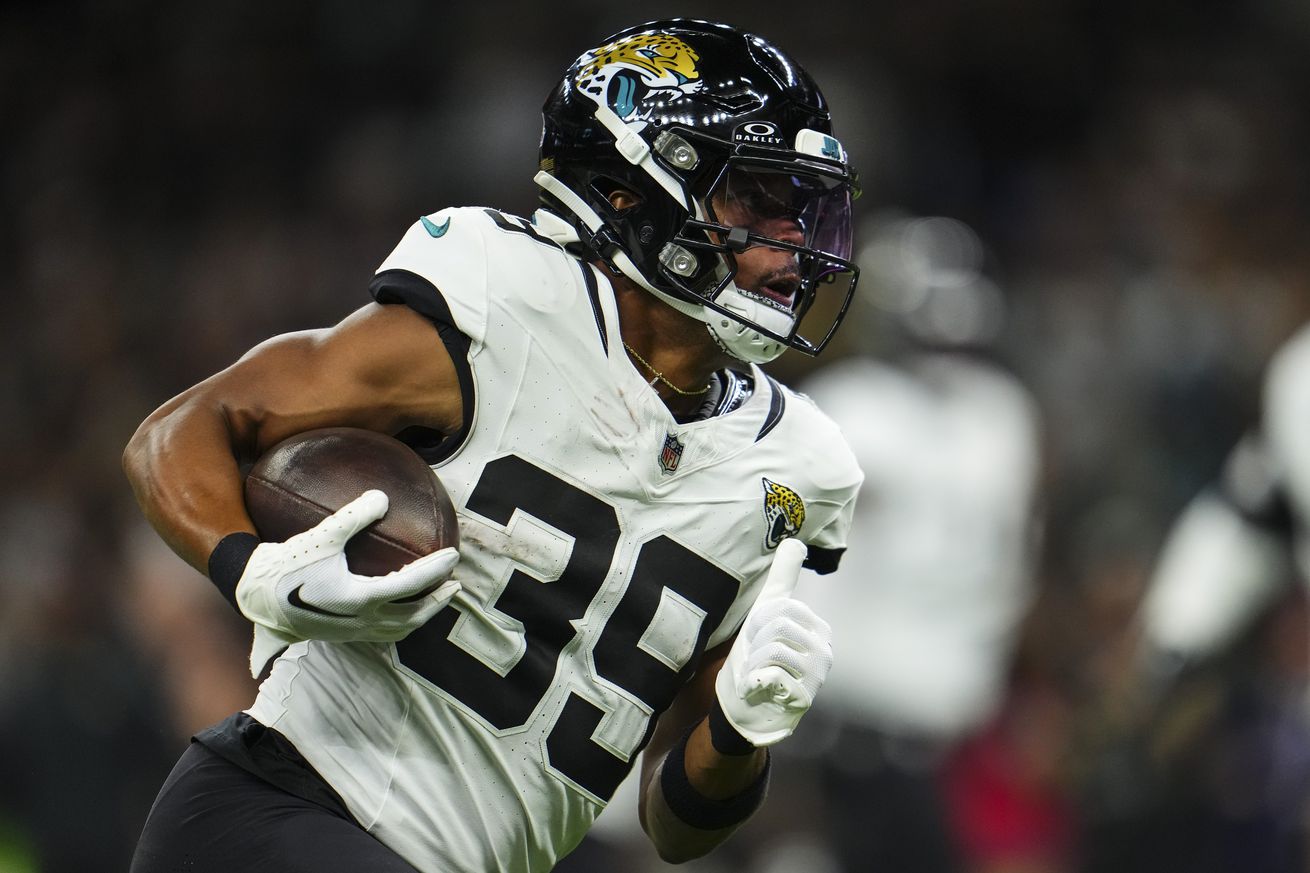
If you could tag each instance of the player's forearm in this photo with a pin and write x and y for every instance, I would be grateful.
(716, 775)
(688, 814)
(184, 472)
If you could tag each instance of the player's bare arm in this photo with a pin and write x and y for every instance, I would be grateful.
(712, 774)
(699, 786)
(382, 368)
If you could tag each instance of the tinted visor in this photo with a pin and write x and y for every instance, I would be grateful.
(810, 209)
(798, 211)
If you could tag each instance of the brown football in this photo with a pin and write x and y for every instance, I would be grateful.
(305, 478)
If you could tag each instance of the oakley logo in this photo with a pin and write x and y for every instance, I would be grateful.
(758, 133)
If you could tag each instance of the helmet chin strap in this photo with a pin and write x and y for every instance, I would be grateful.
(628, 142)
(734, 337)
(564, 233)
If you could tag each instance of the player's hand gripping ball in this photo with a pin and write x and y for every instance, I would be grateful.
(359, 536)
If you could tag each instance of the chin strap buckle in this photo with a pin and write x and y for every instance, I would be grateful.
(630, 144)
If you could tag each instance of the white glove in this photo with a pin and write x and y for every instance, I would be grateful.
(302, 589)
(780, 658)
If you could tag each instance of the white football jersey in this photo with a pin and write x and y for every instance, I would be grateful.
(1235, 545)
(604, 548)
(1286, 416)
(926, 606)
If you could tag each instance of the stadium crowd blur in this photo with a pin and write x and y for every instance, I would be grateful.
(182, 180)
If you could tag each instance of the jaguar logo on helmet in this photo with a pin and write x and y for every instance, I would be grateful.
(784, 513)
(623, 74)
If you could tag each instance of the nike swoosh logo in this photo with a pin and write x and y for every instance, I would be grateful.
(295, 600)
(435, 230)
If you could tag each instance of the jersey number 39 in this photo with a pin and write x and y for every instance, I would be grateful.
(548, 613)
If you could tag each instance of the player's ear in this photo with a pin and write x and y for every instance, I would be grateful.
(621, 199)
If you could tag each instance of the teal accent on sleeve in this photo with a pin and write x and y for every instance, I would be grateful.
(435, 230)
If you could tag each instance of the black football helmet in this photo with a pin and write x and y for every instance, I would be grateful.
(726, 144)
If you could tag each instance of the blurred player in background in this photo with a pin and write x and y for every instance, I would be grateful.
(1222, 647)
(636, 496)
(1243, 539)
(926, 609)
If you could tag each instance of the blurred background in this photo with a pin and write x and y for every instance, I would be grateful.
(1083, 234)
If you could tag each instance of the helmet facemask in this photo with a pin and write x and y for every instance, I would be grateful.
(742, 206)
(772, 228)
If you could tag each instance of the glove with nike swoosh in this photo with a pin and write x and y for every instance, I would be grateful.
(779, 660)
(302, 589)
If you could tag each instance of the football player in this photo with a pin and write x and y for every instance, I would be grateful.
(636, 497)
(926, 612)
(1196, 725)
(1242, 539)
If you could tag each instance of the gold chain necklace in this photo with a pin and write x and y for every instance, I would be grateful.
(659, 377)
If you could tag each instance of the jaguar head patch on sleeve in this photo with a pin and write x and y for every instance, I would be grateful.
(784, 513)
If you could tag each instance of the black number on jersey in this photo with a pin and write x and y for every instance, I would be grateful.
(661, 564)
(547, 612)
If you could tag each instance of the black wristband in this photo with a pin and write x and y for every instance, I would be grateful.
(723, 736)
(699, 811)
(228, 561)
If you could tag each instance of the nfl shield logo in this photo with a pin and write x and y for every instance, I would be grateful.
(671, 454)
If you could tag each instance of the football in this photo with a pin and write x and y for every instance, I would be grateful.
(305, 478)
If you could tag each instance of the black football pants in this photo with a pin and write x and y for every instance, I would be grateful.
(212, 816)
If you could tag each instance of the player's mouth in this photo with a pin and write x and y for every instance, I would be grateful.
(779, 291)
